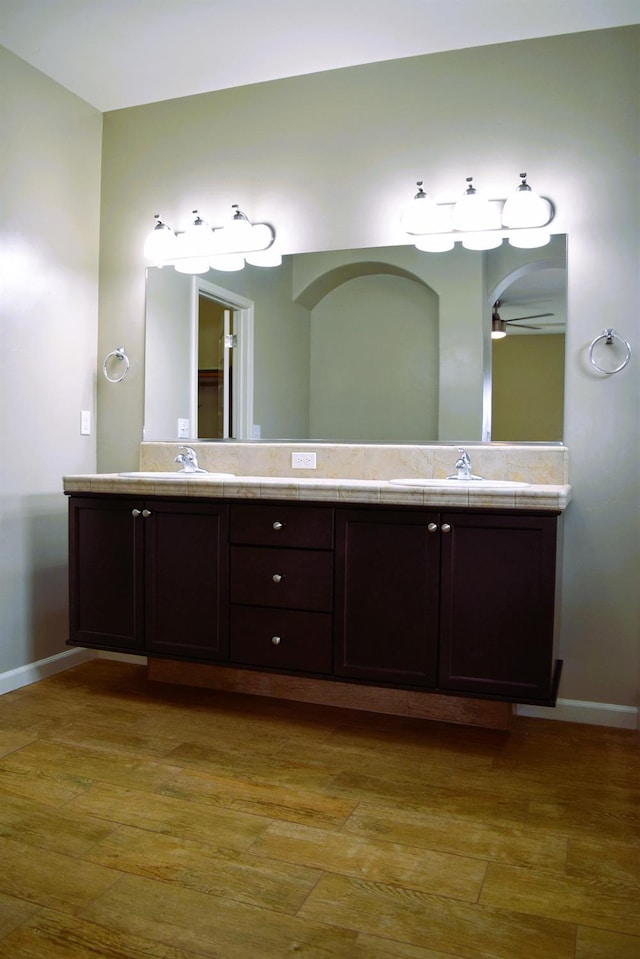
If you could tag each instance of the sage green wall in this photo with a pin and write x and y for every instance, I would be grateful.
(49, 223)
(331, 158)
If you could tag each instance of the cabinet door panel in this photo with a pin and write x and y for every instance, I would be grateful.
(303, 639)
(105, 572)
(386, 597)
(186, 580)
(292, 578)
(498, 575)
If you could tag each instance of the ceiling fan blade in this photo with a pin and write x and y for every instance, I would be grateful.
(526, 327)
(534, 316)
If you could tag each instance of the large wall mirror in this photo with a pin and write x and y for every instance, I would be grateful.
(382, 345)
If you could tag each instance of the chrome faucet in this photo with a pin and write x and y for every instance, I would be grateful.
(463, 467)
(189, 460)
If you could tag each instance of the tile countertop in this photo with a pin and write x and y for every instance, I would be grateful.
(542, 497)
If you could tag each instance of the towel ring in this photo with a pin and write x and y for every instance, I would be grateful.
(121, 355)
(609, 335)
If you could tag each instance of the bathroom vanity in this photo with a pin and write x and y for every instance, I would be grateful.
(245, 585)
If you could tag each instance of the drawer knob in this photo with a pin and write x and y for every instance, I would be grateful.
(275, 640)
(278, 525)
(446, 528)
(146, 512)
(136, 512)
(433, 527)
(277, 578)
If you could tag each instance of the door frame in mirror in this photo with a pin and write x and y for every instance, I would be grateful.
(242, 385)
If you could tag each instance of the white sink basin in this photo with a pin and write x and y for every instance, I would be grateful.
(175, 475)
(479, 484)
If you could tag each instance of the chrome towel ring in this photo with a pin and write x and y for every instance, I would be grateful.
(609, 335)
(120, 354)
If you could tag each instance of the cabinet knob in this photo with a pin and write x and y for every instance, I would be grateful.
(146, 512)
(433, 527)
(446, 528)
(277, 578)
(278, 525)
(275, 640)
(136, 512)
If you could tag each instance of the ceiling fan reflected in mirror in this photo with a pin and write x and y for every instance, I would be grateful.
(499, 326)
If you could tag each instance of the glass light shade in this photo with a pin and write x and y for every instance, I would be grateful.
(422, 215)
(498, 334)
(268, 257)
(197, 239)
(434, 243)
(262, 237)
(529, 239)
(483, 240)
(192, 264)
(474, 212)
(227, 262)
(525, 208)
(160, 245)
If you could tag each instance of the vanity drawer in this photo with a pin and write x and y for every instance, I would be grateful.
(304, 527)
(280, 639)
(291, 578)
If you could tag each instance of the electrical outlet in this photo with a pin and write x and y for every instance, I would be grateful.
(303, 461)
(183, 429)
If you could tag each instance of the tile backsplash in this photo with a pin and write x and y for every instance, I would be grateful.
(538, 464)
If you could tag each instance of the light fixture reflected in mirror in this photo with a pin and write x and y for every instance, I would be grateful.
(477, 222)
(201, 246)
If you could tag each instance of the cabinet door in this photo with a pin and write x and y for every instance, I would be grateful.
(186, 579)
(386, 596)
(106, 573)
(497, 603)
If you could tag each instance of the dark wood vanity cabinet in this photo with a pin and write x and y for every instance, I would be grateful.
(281, 587)
(387, 575)
(148, 576)
(497, 594)
(459, 602)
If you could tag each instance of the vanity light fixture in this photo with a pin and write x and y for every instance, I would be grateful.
(477, 222)
(160, 245)
(473, 212)
(200, 246)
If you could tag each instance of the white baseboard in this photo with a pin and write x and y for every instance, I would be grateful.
(566, 710)
(34, 672)
(576, 711)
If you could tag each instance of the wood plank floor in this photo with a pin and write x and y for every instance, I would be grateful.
(140, 820)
